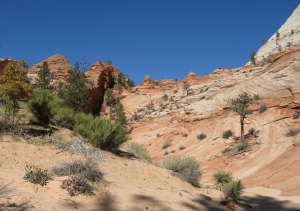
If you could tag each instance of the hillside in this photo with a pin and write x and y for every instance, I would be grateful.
(161, 112)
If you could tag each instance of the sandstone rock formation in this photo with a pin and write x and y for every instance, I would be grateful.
(289, 33)
(147, 81)
(58, 64)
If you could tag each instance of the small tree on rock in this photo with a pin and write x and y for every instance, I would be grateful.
(44, 78)
(252, 57)
(240, 105)
(186, 87)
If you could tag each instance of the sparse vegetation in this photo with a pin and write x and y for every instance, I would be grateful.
(201, 136)
(252, 58)
(184, 135)
(77, 185)
(175, 91)
(166, 145)
(233, 190)
(222, 177)
(226, 150)
(296, 115)
(165, 97)
(186, 87)
(251, 131)
(291, 132)
(187, 169)
(88, 169)
(263, 108)
(140, 150)
(36, 175)
(166, 153)
(181, 147)
(227, 134)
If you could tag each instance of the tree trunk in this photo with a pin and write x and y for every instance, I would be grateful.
(242, 132)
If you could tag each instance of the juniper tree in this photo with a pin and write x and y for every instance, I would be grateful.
(44, 78)
(240, 105)
(76, 95)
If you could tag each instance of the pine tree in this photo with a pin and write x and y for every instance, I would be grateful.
(44, 78)
(186, 87)
(85, 64)
(119, 109)
(76, 95)
(240, 105)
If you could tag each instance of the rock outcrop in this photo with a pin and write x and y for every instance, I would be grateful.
(288, 33)
(58, 64)
(101, 76)
(147, 81)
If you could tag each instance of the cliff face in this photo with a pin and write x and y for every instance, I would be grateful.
(289, 33)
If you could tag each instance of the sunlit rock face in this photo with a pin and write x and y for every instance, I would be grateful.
(274, 44)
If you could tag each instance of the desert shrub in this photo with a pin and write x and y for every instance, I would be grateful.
(100, 132)
(226, 150)
(184, 135)
(263, 108)
(165, 97)
(166, 152)
(176, 134)
(233, 189)
(135, 116)
(175, 91)
(140, 150)
(222, 177)
(178, 164)
(157, 135)
(172, 151)
(39, 105)
(192, 176)
(88, 169)
(77, 185)
(36, 175)
(251, 131)
(296, 115)
(227, 134)
(166, 145)
(181, 147)
(201, 136)
(291, 132)
(187, 169)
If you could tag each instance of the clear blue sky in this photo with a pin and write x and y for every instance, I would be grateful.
(162, 38)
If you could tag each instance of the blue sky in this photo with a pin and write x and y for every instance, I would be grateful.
(162, 38)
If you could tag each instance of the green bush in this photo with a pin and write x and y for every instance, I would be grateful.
(166, 145)
(227, 134)
(263, 108)
(201, 136)
(39, 106)
(36, 175)
(165, 97)
(192, 176)
(77, 185)
(187, 169)
(222, 177)
(181, 147)
(175, 91)
(233, 189)
(100, 132)
(178, 164)
(141, 150)
(226, 150)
